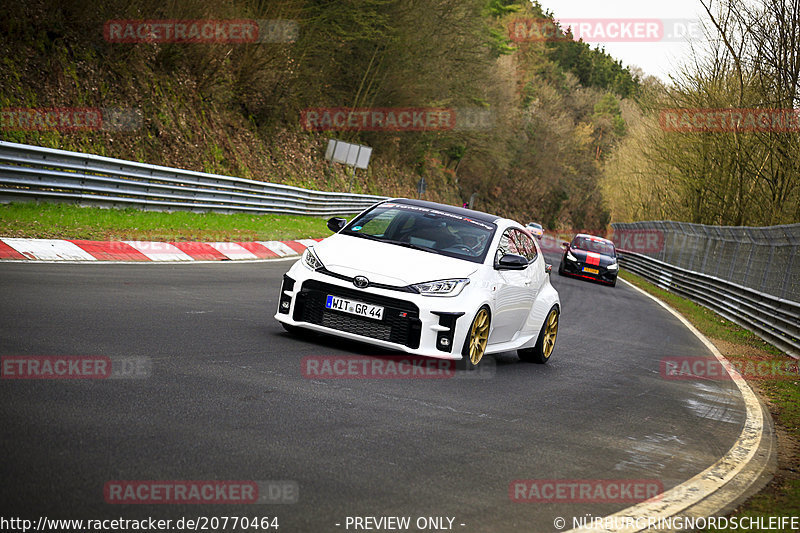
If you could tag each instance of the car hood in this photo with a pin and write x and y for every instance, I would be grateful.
(388, 263)
(584, 257)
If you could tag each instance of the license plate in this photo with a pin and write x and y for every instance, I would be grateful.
(374, 312)
(591, 270)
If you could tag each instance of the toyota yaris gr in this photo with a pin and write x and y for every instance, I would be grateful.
(426, 279)
(590, 257)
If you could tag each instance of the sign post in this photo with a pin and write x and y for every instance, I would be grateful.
(351, 155)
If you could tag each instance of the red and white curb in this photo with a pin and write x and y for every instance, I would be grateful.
(80, 250)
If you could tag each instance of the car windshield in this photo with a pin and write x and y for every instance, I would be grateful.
(424, 228)
(593, 245)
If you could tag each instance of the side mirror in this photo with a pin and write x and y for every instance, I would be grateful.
(336, 224)
(564, 245)
(548, 269)
(512, 262)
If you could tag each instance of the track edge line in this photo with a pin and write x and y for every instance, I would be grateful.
(689, 497)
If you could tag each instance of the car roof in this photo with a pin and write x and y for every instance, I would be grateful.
(593, 238)
(468, 213)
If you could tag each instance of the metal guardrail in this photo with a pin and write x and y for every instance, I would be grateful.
(776, 320)
(33, 172)
(764, 259)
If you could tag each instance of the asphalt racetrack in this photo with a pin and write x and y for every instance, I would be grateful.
(225, 399)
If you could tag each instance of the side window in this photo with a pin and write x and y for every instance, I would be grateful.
(517, 242)
(525, 245)
(507, 244)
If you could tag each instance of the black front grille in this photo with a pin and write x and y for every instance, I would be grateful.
(400, 323)
(367, 328)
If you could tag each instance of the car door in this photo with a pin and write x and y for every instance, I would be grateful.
(514, 289)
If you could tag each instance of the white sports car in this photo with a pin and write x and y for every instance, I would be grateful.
(426, 279)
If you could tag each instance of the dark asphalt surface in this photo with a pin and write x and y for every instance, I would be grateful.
(226, 400)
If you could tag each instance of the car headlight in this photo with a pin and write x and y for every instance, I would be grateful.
(444, 287)
(571, 257)
(311, 260)
(612, 266)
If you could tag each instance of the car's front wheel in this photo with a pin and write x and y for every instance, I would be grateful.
(546, 342)
(477, 339)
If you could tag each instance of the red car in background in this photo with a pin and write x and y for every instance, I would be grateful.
(590, 257)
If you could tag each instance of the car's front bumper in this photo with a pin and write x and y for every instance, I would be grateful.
(411, 323)
(578, 269)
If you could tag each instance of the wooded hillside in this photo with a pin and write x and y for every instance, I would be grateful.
(550, 112)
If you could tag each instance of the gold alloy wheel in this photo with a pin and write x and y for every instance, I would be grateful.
(550, 332)
(479, 336)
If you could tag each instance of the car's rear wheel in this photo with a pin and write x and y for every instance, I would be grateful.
(546, 342)
(477, 339)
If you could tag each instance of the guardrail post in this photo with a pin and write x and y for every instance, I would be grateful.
(788, 275)
(719, 250)
(696, 246)
(733, 260)
(749, 256)
(682, 253)
(667, 229)
(766, 270)
(705, 249)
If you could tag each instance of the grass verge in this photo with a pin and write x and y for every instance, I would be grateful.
(781, 393)
(65, 221)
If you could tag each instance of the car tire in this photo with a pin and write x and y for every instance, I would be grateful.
(477, 338)
(561, 268)
(546, 342)
(614, 283)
